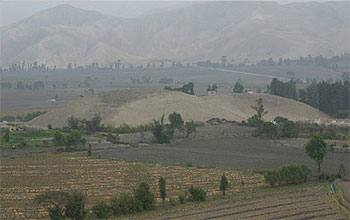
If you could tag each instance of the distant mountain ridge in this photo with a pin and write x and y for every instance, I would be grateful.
(208, 30)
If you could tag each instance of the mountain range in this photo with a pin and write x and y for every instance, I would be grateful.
(207, 30)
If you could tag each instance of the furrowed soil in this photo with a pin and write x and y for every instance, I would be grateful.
(307, 202)
(224, 146)
(23, 178)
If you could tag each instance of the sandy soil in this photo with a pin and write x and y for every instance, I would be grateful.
(138, 106)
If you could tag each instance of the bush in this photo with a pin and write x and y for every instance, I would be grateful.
(268, 129)
(290, 174)
(59, 139)
(254, 121)
(145, 196)
(346, 146)
(75, 138)
(182, 199)
(113, 138)
(197, 194)
(273, 177)
(101, 210)
(124, 205)
(63, 205)
(75, 209)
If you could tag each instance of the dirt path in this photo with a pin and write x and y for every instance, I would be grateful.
(251, 74)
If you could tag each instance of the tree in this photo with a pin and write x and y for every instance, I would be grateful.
(259, 108)
(7, 135)
(75, 208)
(145, 196)
(163, 133)
(59, 139)
(223, 184)
(238, 88)
(316, 149)
(75, 138)
(73, 123)
(92, 125)
(101, 210)
(190, 127)
(162, 189)
(63, 205)
(176, 121)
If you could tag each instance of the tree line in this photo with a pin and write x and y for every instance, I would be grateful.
(331, 98)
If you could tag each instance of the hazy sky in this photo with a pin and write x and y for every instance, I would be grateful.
(12, 11)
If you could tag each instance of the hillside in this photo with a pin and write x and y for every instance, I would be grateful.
(138, 106)
(206, 30)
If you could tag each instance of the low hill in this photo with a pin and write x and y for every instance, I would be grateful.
(139, 106)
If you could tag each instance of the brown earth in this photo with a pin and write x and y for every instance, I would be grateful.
(23, 178)
(139, 106)
(310, 202)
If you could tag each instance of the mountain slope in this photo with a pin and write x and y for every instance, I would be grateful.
(201, 31)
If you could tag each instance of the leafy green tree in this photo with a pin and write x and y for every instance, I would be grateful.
(163, 133)
(49, 126)
(145, 196)
(7, 135)
(223, 184)
(238, 88)
(125, 204)
(176, 121)
(316, 149)
(162, 189)
(259, 108)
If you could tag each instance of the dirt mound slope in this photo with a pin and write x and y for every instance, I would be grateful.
(139, 106)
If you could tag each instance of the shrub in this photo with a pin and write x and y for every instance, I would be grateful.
(172, 202)
(197, 194)
(273, 177)
(145, 196)
(63, 205)
(341, 171)
(182, 199)
(254, 121)
(101, 210)
(124, 205)
(59, 139)
(268, 129)
(75, 138)
(290, 174)
(49, 126)
(75, 209)
(7, 135)
(345, 145)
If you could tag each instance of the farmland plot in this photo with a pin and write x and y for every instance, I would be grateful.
(23, 178)
(309, 202)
